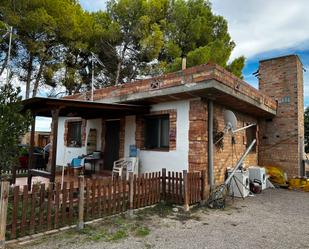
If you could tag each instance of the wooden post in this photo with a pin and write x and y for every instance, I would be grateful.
(14, 169)
(81, 202)
(186, 191)
(131, 193)
(203, 186)
(164, 184)
(55, 117)
(3, 211)
(30, 162)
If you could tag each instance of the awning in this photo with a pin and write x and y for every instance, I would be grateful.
(76, 108)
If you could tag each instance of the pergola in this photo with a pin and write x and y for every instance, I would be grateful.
(55, 108)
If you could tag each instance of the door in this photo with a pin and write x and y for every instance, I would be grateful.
(111, 151)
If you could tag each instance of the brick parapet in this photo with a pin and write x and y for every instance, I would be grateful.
(195, 74)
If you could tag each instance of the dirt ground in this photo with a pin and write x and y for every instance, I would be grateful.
(276, 218)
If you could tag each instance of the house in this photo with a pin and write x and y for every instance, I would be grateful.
(41, 138)
(183, 116)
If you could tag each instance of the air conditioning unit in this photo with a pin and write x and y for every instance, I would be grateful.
(258, 173)
(239, 185)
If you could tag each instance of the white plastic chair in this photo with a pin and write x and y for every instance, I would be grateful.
(127, 164)
(118, 167)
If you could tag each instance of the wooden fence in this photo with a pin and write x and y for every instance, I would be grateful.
(51, 207)
(42, 209)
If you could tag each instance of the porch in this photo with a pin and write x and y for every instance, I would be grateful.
(85, 110)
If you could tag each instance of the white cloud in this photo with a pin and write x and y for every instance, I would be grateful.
(258, 26)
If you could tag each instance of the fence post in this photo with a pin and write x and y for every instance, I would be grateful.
(3, 211)
(186, 190)
(81, 202)
(131, 193)
(164, 183)
(203, 187)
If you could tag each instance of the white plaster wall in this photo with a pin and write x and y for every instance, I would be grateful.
(66, 154)
(176, 160)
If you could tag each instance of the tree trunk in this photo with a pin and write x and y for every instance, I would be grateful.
(118, 72)
(37, 79)
(4, 64)
(120, 64)
(29, 73)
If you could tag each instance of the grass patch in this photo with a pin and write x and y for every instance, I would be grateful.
(118, 235)
(142, 232)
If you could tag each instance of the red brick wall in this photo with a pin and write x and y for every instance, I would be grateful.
(122, 136)
(198, 137)
(229, 155)
(281, 137)
(195, 74)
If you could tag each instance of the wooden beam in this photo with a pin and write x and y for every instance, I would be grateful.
(30, 160)
(4, 189)
(55, 118)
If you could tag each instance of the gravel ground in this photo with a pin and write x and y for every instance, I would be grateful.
(276, 218)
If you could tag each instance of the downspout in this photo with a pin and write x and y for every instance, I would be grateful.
(210, 144)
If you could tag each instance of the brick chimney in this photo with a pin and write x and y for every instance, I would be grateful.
(281, 138)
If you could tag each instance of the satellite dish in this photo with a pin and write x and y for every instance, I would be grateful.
(230, 120)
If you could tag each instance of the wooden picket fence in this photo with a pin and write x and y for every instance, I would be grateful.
(51, 207)
(105, 197)
(42, 209)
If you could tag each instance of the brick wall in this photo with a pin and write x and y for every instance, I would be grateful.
(195, 74)
(230, 154)
(122, 136)
(198, 137)
(281, 137)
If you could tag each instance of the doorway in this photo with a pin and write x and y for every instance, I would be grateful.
(111, 151)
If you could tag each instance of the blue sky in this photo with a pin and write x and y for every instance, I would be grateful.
(260, 28)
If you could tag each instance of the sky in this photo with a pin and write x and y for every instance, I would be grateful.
(261, 29)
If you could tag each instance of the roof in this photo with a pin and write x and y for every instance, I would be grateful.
(79, 108)
(205, 81)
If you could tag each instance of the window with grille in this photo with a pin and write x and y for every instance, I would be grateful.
(74, 135)
(157, 132)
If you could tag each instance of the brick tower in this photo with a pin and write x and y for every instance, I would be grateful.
(281, 138)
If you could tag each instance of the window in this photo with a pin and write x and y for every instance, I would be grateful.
(74, 138)
(157, 132)
(250, 136)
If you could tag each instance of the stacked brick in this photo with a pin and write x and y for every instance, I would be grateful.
(198, 149)
(232, 150)
(196, 74)
(281, 138)
(223, 157)
(122, 137)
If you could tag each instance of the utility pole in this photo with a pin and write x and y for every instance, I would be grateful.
(92, 75)
(94, 59)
